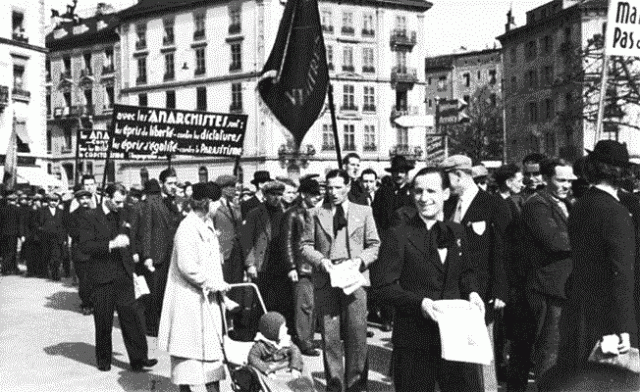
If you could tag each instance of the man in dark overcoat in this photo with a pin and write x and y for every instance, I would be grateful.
(53, 234)
(11, 229)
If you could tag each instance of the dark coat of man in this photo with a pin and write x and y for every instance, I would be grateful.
(54, 236)
(11, 228)
(601, 300)
(80, 259)
(387, 200)
(409, 269)
(632, 202)
(228, 221)
(357, 194)
(249, 205)
(485, 222)
(111, 274)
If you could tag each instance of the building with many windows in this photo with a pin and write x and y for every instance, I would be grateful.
(82, 75)
(544, 105)
(207, 56)
(22, 84)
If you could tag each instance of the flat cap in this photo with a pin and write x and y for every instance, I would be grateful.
(456, 162)
(479, 171)
(273, 187)
(225, 180)
(81, 193)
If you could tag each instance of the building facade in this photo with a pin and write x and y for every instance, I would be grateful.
(22, 86)
(82, 86)
(544, 105)
(208, 55)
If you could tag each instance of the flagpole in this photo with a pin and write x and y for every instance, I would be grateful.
(603, 93)
(107, 160)
(334, 125)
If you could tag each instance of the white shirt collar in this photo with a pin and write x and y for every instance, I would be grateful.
(469, 194)
(608, 189)
(105, 209)
(428, 223)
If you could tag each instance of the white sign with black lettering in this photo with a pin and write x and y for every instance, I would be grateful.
(623, 28)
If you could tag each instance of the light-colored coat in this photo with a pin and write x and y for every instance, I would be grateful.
(190, 325)
(364, 241)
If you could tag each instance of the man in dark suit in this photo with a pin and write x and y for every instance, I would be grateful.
(533, 180)
(228, 221)
(260, 178)
(53, 234)
(111, 272)
(342, 232)
(548, 256)
(34, 257)
(390, 198)
(351, 164)
(11, 229)
(81, 261)
(422, 261)
(485, 222)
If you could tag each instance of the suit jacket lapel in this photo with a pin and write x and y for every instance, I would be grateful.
(419, 240)
(326, 220)
(468, 214)
(354, 220)
(549, 199)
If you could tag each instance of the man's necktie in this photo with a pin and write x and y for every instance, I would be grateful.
(457, 216)
(339, 220)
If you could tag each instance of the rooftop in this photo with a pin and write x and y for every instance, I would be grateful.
(70, 34)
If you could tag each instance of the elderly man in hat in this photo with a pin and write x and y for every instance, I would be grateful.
(11, 229)
(390, 198)
(53, 234)
(260, 178)
(485, 222)
(480, 176)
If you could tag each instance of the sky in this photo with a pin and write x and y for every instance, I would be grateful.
(473, 24)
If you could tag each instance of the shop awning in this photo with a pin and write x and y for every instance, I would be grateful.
(36, 176)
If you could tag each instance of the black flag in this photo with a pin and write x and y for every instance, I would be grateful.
(293, 82)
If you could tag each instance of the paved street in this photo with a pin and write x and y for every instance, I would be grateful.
(46, 344)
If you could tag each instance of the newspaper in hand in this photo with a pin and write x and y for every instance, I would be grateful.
(347, 277)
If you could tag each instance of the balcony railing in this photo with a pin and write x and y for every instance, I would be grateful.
(87, 72)
(370, 147)
(235, 28)
(349, 108)
(412, 153)
(328, 147)
(368, 69)
(198, 35)
(368, 33)
(65, 74)
(399, 111)
(81, 110)
(142, 44)
(235, 108)
(369, 108)
(404, 75)
(348, 68)
(401, 38)
(108, 69)
(168, 40)
(20, 37)
(327, 29)
(20, 94)
(346, 30)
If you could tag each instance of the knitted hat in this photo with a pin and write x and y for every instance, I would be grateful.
(269, 325)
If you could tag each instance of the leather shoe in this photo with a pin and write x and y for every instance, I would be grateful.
(310, 352)
(137, 366)
(104, 368)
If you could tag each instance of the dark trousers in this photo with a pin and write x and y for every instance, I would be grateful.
(84, 284)
(157, 281)
(9, 247)
(547, 311)
(52, 253)
(304, 311)
(118, 295)
(521, 332)
(343, 318)
(417, 369)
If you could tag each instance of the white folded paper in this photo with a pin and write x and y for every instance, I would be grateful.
(140, 286)
(463, 334)
(347, 277)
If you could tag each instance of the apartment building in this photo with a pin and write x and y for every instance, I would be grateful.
(202, 55)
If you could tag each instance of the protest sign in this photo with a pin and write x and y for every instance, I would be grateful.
(623, 28)
(151, 133)
(93, 144)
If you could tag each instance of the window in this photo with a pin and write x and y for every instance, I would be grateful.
(514, 83)
(142, 100)
(548, 74)
(88, 99)
(370, 138)
(236, 57)
(402, 137)
(48, 100)
(17, 19)
(369, 99)
(401, 25)
(349, 137)
(235, 25)
(49, 142)
(492, 76)
(200, 62)
(442, 83)
(142, 70)
(68, 139)
(171, 99)
(548, 44)
(479, 74)
(550, 143)
(67, 98)
(327, 21)
(347, 59)
(347, 23)
(514, 55)
(430, 102)
(47, 68)
(367, 60)
(330, 56)
(531, 50)
(532, 78)
(201, 93)
(109, 98)
(198, 26)
(108, 64)
(89, 167)
(168, 38)
(66, 67)
(533, 112)
(68, 169)
(236, 97)
(467, 79)
(348, 97)
(141, 33)
(367, 25)
(88, 70)
(18, 78)
(169, 66)
(401, 61)
(549, 109)
(328, 142)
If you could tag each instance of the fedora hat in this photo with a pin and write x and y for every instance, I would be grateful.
(610, 152)
(399, 164)
(261, 176)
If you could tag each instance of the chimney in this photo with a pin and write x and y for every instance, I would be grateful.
(510, 21)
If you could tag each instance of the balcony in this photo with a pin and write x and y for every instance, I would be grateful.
(368, 69)
(369, 108)
(403, 76)
(349, 108)
(347, 30)
(399, 111)
(235, 28)
(412, 153)
(81, 110)
(199, 35)
(140, 45)
(108, 69)
(18, 94)
(327, 29)
(370, 147)
(169, 76)
(368, 33)
(402, 39)
(328, 147)
(348, 68)
(235, 108)
(65, 75)
(20, 36)
(141, 79)
(168, 40)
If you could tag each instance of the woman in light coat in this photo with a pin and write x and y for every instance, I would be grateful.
(191, 321)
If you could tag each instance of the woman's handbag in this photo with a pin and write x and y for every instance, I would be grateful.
(629, 361)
